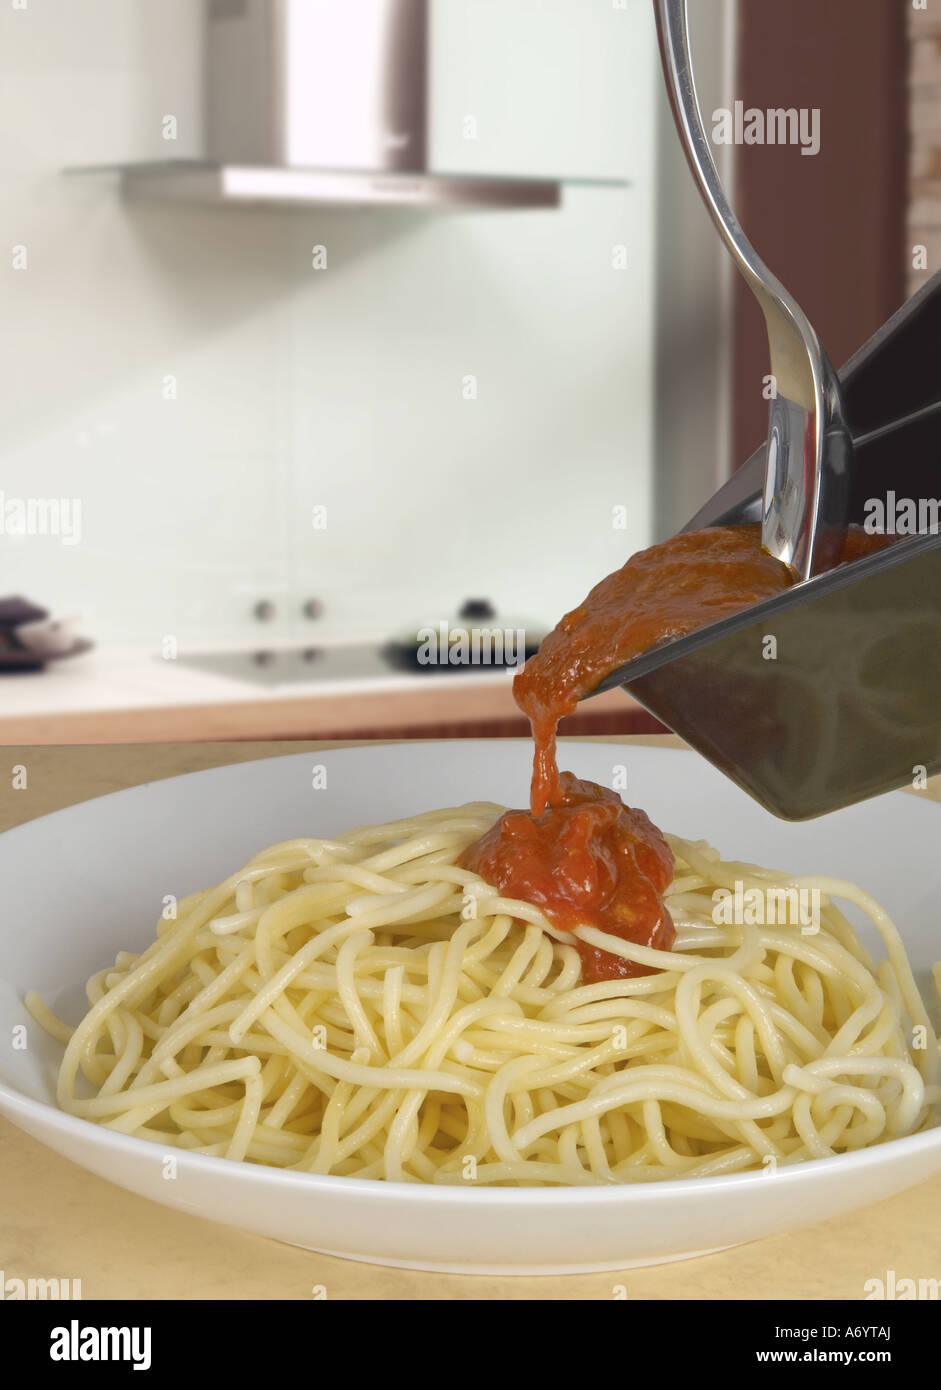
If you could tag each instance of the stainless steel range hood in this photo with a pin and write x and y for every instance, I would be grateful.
(322, 101)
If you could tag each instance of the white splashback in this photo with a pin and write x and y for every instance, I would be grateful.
(343, 388)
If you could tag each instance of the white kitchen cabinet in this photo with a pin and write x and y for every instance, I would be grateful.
(471, 398)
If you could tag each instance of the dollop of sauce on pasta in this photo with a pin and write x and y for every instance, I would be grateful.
(579, 854)
(586, 860)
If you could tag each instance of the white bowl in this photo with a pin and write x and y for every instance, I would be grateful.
(85, 882)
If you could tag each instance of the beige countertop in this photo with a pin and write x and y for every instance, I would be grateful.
(121, 695)
(58, 1220)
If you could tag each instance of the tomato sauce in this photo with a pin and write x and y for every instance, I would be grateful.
(587, 860)
(579, 853)
(661, 593)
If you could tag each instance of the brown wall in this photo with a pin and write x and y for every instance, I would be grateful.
(830, 226)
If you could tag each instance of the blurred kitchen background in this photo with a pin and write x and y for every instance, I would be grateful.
(328, 320)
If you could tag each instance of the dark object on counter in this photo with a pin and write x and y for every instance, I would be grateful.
(16, 661)
(845, 702)
(480, 640)
(477, 610)
(14, 612)
(18, 655)
(15, 658)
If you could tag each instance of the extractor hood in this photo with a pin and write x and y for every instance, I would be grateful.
(322, 101)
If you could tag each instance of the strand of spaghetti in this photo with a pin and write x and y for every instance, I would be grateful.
(198, 1007)
(325, 1145)
(394, 1156)
(912, 1083)
(898, 958)
(392, 1008)
(688, 992)
(316, 1161)
(363, 1033)
(278, 982)
(145, 975)
(127, 1059)
(132, 1120)
(46, 1020)
(301, 905)
(851, 1030)
(465, 821)
(500, 1138)
(414, 848)
(350, 872)
(402, 1137)
(641, 1087)
(692, 1027)
(407, 906)
(389, 1077)
(444, 998)
(162, 1091)
(248, 1119)
(187, 1029)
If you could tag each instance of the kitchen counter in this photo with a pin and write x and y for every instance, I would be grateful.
(58, 1219)
(128, 695)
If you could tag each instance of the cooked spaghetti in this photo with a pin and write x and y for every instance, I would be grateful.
(366, 1007)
